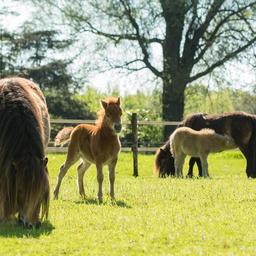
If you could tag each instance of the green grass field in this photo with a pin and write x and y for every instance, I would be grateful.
(151, 216)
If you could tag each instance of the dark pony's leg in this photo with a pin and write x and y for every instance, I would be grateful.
(192, 162)
(191, 165)
(199, 166)
(248, 154)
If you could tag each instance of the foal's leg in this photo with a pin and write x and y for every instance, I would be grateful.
(72, 157)
(1, 210)
(100, 178)
(81, 169)
(179, 162)
(111, 177)
(204, 166)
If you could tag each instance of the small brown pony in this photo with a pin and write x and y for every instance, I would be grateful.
(24, 134)
(98, 144)
(186, 141)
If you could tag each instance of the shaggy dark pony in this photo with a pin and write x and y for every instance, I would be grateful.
(24, 134)
(238, 125)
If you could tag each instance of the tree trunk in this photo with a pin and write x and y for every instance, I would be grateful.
(173, 104)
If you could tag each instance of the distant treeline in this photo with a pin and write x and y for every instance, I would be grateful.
(198, 98)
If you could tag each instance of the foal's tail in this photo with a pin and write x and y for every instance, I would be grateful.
(63, 136)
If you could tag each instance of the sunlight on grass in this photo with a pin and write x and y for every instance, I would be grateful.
(151, 216)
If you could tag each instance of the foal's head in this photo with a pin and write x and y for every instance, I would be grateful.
(113, 113)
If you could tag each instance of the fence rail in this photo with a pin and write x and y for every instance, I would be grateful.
(134, 126)
(139, 122)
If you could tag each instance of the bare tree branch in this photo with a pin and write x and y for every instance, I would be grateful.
(142, 43)
(223, 60)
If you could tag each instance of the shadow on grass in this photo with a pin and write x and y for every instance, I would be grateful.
(12, 229)
(93, 201)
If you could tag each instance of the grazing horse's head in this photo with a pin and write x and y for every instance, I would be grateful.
(164, 162)
(113, 113)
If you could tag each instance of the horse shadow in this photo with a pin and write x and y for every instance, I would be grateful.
(12, 229)
(94, 201)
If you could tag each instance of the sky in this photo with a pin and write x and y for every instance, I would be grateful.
(241, 75)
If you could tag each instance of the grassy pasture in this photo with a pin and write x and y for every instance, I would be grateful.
(151, 216)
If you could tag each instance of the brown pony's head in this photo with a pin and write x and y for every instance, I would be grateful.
(164, 162)
(112, 113)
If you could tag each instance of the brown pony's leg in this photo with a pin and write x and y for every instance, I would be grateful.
(72, 157)
(111, 177)
(81, 169)
(100, 178)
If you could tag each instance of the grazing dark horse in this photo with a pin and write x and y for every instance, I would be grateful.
(238, 125)
(24, 134)
(94, 144)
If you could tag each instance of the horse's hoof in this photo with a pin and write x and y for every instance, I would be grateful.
(38, 225)
(29, 225)
(20, 222)
(55, 196)
(83, 195)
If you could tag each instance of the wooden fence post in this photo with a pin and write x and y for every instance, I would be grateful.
(134, 124)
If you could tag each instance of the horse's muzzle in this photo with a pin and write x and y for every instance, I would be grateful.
(118, 127)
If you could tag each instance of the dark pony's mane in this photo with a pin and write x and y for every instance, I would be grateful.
(23, 180)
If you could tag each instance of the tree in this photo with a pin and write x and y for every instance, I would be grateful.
(195, 37)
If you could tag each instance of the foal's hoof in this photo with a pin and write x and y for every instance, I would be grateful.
(38, 224)
(82, 194)
(55, 195)
(20, 222)
(29, 225)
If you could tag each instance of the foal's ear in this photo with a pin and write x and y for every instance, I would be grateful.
(118, 101)
(104, 104)
(45, 161)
